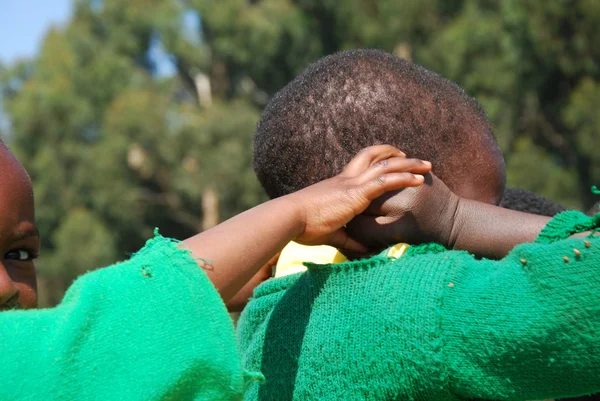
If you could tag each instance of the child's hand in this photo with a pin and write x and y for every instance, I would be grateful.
(327, 206)
(235, 250)
(412, 215)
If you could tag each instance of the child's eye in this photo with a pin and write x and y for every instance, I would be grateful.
(21, 254)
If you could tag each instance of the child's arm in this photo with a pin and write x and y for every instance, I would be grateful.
(432, 213)
(154, 327)
(238, 302)
(525, 327)
(436, 325)
(237, 248)
(150, 328)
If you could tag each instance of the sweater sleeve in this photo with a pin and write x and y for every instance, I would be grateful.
(526, 327)
(151, 328)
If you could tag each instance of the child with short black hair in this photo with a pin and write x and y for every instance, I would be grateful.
(432, 324)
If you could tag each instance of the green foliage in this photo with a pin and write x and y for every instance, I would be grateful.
(529, 166)
(82, 242)
(115, 150)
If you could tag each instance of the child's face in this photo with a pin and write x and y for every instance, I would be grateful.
(19, 239)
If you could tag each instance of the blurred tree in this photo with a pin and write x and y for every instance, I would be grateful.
(116, 148)
(533, 65)
(524, 61)
(113, 148)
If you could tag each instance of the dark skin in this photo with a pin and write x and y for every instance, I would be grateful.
(239, 300)
(19, 239)
(234, 251)
(238, 248)
(434, 213)
(464, 218)
(417, 215)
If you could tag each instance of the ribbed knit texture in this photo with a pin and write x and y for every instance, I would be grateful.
(567, 223)
(151, 328)
(432, 325)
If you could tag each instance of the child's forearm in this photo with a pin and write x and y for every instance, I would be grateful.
(238, 302)
(232, 252)
(252, 238)
(491, 231)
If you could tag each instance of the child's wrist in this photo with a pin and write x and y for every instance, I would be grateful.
(452, 221)
(295, 209)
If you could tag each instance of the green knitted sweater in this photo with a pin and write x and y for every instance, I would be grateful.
(434, 325)
(151, 328)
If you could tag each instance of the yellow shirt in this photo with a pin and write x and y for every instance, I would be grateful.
(294, 254)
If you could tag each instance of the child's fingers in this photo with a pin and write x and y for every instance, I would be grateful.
(368, 156)
(381, 184)
(377, 205)
(395, 165)
(341, 240)
(377, 232)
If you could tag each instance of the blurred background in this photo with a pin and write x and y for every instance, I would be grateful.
(137, 114)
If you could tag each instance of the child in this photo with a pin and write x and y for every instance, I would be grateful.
(153, 327)
(18, 236)
(432, 324)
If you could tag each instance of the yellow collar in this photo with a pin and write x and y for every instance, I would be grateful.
(294, 255)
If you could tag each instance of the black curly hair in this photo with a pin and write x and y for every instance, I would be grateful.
(353, 99)
(594, 209)
(530, 202)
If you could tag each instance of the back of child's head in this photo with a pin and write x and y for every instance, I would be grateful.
(354, 99)
(530, 202)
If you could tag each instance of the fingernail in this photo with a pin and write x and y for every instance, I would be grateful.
(419, 177)
(427, 163)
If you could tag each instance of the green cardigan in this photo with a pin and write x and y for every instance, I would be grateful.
(434, 325)
(151, 328)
